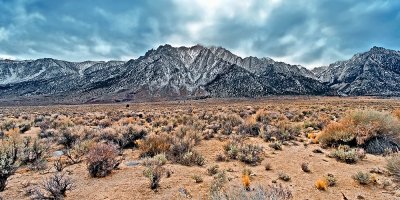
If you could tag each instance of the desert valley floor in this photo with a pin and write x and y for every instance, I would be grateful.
(208, 149)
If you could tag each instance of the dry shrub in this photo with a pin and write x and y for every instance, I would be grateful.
(271, 192)
(178, 149)
(393, 166)
(78, 150)
(105, 123)
(262, 116)
(321, 184)
(123, 136)
(246, 182)
(101, 159)
(154, 174)
(188, 133)
(67, 137)
(55, 188)
(283, 131)
(276, 145)
(159, 159)
(318, 123)
(247, 153)
(33, 154)
(8, 124)
(217, 184)
(362, 178)
(60, 122)
(396, 113)
(191, 158)
(12, 133)
(376, 131)
(331, 180)
(181, 150)
(197, 178)
(284, 177)
(153, 145)
(267, 166)
(8, 161)
(250, 127)
(129, 134)
(346, 154)
(211, 171)
(229, 122)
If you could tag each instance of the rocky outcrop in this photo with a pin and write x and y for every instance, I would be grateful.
(376, 72)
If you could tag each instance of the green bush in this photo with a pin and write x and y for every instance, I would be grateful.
(247, 153)
(154, 174)
(346, 154)
(362, 178)
(33, 154)
(8, 161)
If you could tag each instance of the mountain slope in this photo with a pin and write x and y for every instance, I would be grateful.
(190, 72)
(376, 72)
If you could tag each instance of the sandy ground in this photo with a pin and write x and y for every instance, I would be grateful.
(129, 183)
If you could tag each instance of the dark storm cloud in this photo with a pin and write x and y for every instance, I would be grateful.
(308, 32)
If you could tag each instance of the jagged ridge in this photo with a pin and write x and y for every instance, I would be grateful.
(186, 72)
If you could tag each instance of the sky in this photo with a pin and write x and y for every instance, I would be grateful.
(307, 32)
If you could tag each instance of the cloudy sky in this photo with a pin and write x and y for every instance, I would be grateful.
(307, 32)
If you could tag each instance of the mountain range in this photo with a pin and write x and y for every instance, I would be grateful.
(168, 73)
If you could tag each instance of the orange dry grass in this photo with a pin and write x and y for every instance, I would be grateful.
(311, 136)
(397, 113)
(321, 184)
(335, 132)
(360, 125)
(250, 120)
(153, 145)
(13, 133)
(126, 121)
(246, 181)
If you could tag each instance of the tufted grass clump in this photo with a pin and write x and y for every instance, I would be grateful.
(154, 174)
(321, 184)
(346, 154)
(393, 166)
(362, 178)
(247, 153)
(284, 177)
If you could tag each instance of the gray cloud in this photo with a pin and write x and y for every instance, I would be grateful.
(307, 32)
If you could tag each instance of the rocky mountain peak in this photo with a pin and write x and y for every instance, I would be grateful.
(169, 72)
(375, 72)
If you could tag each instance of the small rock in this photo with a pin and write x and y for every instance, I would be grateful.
(309, 129)
(377, 170)
(397, 193)
(26, 183)
(58, 153)
(360, 197)
(317, 151)
(184, 193)
(132, 163)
